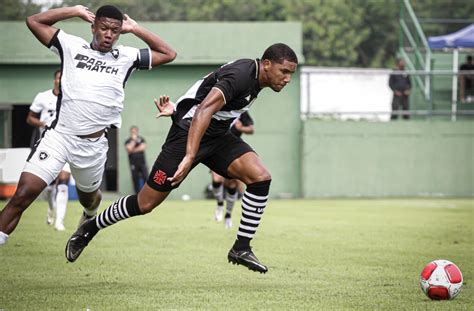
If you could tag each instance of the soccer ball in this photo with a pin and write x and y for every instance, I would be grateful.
(441, 279)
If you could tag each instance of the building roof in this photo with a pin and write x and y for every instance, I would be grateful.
(197, 43)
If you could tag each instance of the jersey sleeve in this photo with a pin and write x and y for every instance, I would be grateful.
(232, 83)
(144, 59)
(140, 58)
(37, 105)
(62, 41)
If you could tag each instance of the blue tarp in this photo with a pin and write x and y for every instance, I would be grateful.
(463, 38)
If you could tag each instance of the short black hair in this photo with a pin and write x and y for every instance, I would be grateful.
(469, 58)
(279, 52)
(56, 72)
(109, 11)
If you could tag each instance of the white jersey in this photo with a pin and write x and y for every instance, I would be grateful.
(44, 104)
(92, 83)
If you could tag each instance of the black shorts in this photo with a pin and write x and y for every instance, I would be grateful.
(217, 153)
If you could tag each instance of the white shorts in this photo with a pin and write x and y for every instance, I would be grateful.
(66, 168)
(86, 157)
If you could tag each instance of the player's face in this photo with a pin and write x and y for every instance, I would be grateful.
(106, 32)
(279, 75)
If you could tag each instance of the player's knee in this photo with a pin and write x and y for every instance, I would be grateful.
(264, 175)
(90, 200)
(146, 207)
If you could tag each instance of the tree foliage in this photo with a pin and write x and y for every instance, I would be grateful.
(360, 33)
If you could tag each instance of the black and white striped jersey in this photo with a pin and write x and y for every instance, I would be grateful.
(92, 83)
(238, 83)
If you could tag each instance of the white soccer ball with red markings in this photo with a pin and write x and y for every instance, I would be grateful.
(441, 279)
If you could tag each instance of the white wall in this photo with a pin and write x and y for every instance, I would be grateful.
(348, 93)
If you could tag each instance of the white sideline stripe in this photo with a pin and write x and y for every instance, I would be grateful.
(247, 235)
(251, 214)
(257, 204)
(247, 228)
(253, 196)
(250, 221)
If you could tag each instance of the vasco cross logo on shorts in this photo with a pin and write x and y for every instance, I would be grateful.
(43, 155)
(160, 177)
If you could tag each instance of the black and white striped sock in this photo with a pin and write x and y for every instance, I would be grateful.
(230, 198)
(123, 208)
(218, 191)
(253, 205)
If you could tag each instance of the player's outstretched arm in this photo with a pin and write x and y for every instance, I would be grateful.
(161, 52)
(41, 24)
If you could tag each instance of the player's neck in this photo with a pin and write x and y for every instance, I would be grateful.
(262, 77)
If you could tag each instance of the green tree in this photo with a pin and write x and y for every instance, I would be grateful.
(17, 10)
(359, 33)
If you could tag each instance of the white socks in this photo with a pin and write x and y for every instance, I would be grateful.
(61, 203)
(3, 238)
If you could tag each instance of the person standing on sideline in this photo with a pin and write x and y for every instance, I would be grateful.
(227, 189)
(466, 81)
(90, 100)
(400, 84)
(200, 133)
(135, 146)
(42, 113)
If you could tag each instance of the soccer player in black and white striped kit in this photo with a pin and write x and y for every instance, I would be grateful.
(200, 134)
(93, 77)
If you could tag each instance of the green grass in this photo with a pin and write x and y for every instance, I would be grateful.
(322, 255)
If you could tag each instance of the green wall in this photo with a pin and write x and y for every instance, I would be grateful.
(416, 158)
(276, 116)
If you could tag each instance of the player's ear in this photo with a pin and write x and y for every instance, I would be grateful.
(266, 64)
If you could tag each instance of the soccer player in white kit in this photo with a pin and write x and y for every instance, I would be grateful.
(41, 115)
(91, 99)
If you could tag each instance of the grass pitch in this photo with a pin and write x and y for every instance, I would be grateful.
(322, 255)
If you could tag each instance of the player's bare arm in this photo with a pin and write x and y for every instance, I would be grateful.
(41, 24)
(33, 120)
(213, 102)
(161, 52)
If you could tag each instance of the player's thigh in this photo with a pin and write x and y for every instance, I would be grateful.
(249, 169)
(47, 157)
(87, 165)
(236, 159)
(168, 160)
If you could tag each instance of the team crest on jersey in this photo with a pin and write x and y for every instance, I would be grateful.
(43, 155)
(115, 53)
